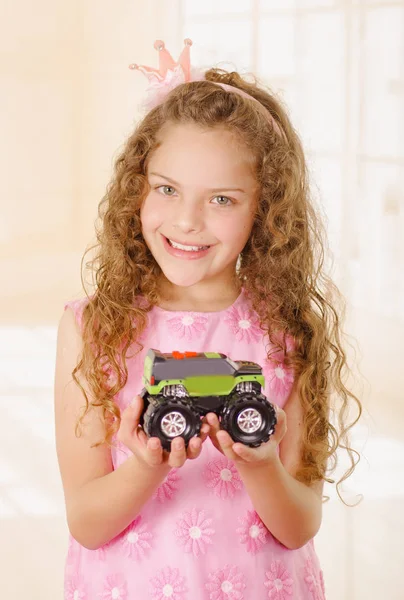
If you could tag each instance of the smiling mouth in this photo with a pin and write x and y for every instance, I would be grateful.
(186, 247)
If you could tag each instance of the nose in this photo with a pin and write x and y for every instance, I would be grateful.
(188, 217)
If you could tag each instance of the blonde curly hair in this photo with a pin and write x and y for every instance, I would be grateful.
(281, 267)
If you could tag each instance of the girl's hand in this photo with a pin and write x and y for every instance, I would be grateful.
(240, 453)
(149, 450)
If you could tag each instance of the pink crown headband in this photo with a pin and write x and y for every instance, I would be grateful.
(171, 73)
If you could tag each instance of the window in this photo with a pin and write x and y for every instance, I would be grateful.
(339, 66)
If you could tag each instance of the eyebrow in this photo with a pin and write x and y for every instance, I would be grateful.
(222, 189)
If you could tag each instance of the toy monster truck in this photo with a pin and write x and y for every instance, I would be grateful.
(180, 388)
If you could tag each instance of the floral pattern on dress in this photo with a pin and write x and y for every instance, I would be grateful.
(187, 326)
(169, 487)
(75, 588)
(114, 588)
(168, 583)
(222, 476)
(283, 339)
(253, 532)
(322, 583)
(194, 531)
(244, 324)
(226, 584)
(135, 540)
(279, 378)
(279, 582)
(315, 583)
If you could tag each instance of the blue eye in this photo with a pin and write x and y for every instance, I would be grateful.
(226, 202)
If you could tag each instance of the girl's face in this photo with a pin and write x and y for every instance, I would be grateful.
(199, 212)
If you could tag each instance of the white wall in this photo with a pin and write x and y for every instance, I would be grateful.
(68, 102)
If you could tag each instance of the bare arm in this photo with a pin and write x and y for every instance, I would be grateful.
(291, 510)
(101, 502)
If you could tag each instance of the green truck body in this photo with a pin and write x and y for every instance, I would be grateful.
(180, 388)
(201, 374)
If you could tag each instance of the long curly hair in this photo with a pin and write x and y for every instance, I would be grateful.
(281, 267)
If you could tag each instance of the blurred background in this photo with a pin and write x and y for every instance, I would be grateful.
(68, 102)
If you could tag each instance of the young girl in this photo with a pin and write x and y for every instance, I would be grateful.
(209, 243)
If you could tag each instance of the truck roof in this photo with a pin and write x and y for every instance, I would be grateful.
(171, 367)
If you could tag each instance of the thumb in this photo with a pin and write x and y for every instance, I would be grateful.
(130, 420)
(136, 408)
(280, 428)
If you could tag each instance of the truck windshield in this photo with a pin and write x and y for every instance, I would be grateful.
(180, 369)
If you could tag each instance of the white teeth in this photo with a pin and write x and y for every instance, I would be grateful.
(187, 248)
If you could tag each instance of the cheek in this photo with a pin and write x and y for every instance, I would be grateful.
(151, 216)
(235, 230)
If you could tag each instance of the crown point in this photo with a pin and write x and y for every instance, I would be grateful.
(188, 42)
(159, 45)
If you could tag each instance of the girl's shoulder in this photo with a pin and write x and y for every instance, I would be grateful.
(77, 306)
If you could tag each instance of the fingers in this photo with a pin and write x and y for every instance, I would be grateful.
(244, 452)
(129, 422)
(142, 437)
(205, 430)
(149, 450)
(137, 408)
(281, 427)
(178, 454)
(226, 444)
(253, 455)
(213, 421)
(153, 453)
(214, 425)
(194, 448)
(195, 443)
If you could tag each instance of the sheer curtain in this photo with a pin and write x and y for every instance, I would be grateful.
(339, 66)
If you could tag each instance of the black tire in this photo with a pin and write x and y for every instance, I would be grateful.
(164, 414)
(250, 407)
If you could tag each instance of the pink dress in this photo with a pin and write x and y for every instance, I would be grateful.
(198, 537)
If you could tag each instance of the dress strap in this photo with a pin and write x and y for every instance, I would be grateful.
(77, 306)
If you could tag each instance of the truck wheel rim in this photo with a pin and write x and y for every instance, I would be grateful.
(249, 420)
(173, 424)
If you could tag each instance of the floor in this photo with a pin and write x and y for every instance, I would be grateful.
(360, 548)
